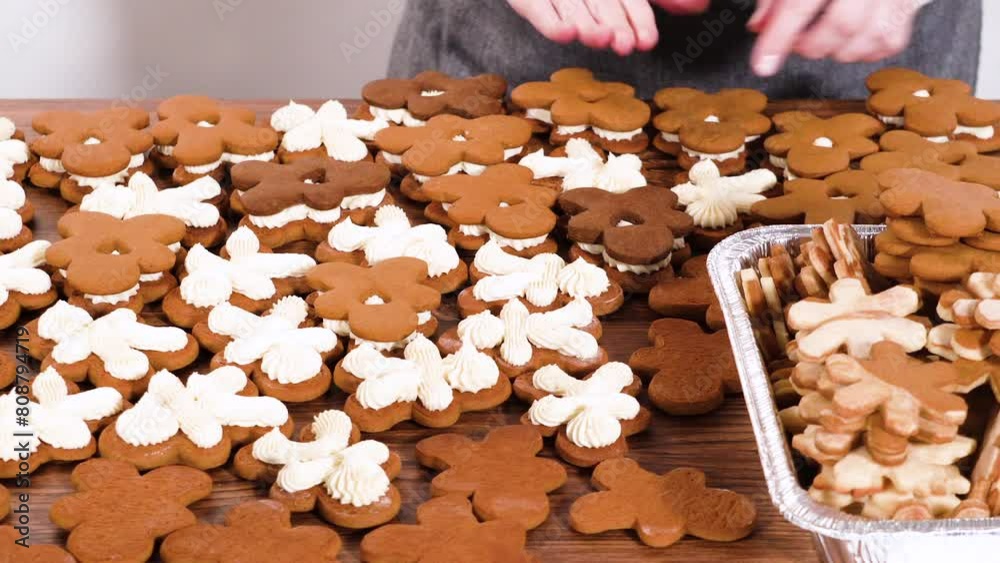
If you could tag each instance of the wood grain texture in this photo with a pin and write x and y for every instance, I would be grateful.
(720, 443)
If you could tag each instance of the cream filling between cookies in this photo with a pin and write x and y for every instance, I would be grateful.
(55, 166)
(676, 138)
(473, 230)
(516, 243)
(985, 133)
(392, 158)
(541, 114)
(636, 268)
(343, 328)
(893, 120)
(607, 134)
(400, 116)
(114, 297)
(598, 249)
(362, 201)
(298, 212)
(718, 157)
(470, 168)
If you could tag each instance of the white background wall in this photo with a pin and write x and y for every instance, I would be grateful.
(227, 48)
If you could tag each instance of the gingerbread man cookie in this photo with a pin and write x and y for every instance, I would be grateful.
(11, 551)
(15, 213)
(78, 151)
(808, 146)
(15, 156)
(582, 166)
(949, 208)
(327, 131)
(24, 285)
(848, 197)
(411, 102)
(689, 296)
(196, 136)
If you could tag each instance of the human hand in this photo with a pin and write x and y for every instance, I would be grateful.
(847, 30)
(622, 25)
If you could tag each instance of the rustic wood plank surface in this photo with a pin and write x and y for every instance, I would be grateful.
(720, 443)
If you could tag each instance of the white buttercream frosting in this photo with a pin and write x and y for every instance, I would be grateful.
(20, 271)
(189, 203)
(715, 201)
(329, 127)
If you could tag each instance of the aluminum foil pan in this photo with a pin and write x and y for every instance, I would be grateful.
(839, 536)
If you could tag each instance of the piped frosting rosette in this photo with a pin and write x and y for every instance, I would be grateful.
(327, 131)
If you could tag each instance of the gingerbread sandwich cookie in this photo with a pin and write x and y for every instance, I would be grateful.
(280, 349)
(689, 295)
(392, 236)
(542, 283)
(326, 132)
(15, 156)
(78, 151)
(636, 235)
(807, 146)
(329, 470)
(956, 160)
(15, 214)
(196, 136)
(413, 101)
(696, 125)
(500, 205)
(449, 145)
(572, 103)
(302, 200)
(579, 165)
(24, 284)
(116, 350)
(421, 386)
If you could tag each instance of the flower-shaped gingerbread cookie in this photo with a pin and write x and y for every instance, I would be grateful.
(689, 295)
(847, 197)
(392, 236)
(301, 200)
(384, 305)
(422, 386)
(194, 203)
(698, 126)
(521, 342)
(15, 157)
(15, 212)
(447, 530)
(938, 109)
(196, 423)
(284, 355)
(583, 167)
(501, 473)
(346, 480)
(591, 417)
(80, 151)
(956, 160)
(412, 101)
(327, 131)
(449, 145)
(141, 509)
(116, 350)
(24, 285)
(501, 205)
(59, 425)
(636, 234)
(196, 136)
(250, 530)
(662, 509)
(542, 283)
(808, 146)
(576, 104)
(109, 263)
(11, 551)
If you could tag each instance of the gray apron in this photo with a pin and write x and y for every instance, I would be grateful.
(464, 37)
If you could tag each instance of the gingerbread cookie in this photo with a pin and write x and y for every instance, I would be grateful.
(327, 131)
(584, 167)
(196, 136)
(11, 551)
(15, 157)
(116, 350)
(808, 146)
(937, 109)
(196, 204)
(8, 374)
(59, 425)
(542, 283)
(847, 197)
(635, 234)
(347, 481)
(501, 473)
(689, 296)
(956, 160)
(591, 417)
(574, 104)
(252, 529)
(111, 495)
(384, 305)
(903, 261)
(15, 212)
(78, 151)
(715, 202)
(449, 145)
(696, 126)
(676, 389)
(302, 200)
(411, 102)
(251, 277)
(24, 285)
(108, 263)
(448, 530)
(279, 349)
(662, 509)
(949, 208)
(500, 205)
(392, 236)
(196, 423)
(421, 386)
(521, 342)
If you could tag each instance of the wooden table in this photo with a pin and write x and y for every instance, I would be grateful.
(720, 443)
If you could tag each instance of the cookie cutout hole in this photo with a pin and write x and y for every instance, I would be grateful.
(431, 93)
(628, 219)
(92, 141)
(375, 300)
(114, 248)
(922, 94)
(314, 177)
(204, 123)
(823, 142)
(459, 138)
(713, 119)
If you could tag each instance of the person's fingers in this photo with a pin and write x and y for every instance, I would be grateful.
(543, 16)
(887, 34)
(640, 15)
(760, 15)
(588, 30)
(683, 6)
(841, 22)
(611, 14)
(779, 35)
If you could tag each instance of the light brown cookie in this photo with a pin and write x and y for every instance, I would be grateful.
(808, 146)
(847, 197)
(689, 295)
(408, 101)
